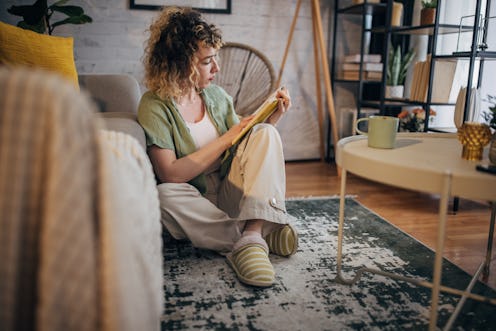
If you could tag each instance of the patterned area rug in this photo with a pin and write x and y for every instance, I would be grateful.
(202, 292)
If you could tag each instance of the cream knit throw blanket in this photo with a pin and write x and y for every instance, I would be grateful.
(132, 244)
(80, 242)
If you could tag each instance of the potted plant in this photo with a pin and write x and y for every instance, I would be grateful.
(36, 17)
(490, 118)
(414, 121)
(428, 12)
(396, 71)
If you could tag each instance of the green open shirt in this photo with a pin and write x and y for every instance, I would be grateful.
(165, 127)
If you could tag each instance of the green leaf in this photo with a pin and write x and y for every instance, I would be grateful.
(35, 15)
(396, 66)
(68, 10)
(40, 28)
(429, 3)
(74, 20)
(32, 14)
(60, 3)
(407, 60)
(19, 10)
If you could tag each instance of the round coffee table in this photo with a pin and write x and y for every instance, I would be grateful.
(426, 162)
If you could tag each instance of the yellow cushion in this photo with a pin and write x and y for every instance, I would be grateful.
(25, 47)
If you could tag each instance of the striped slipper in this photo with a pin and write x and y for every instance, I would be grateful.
(252, 265)
(283, 241)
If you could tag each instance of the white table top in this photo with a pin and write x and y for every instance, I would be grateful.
(419, 162)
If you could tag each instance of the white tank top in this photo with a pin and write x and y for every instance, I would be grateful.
(203, 131)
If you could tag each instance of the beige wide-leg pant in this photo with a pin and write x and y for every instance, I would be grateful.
(254, 189)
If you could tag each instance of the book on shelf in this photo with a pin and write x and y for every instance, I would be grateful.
(366, 66)
(366, 75)
(460, 107)
(268, 107)
(415, 80)
(474, 105)
(445, 84)
(418, 90)
(368, 58)
(374, 75)
(357, 2)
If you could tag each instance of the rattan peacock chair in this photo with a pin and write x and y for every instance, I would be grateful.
(246, 74)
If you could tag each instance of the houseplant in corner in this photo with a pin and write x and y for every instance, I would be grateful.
(428, 12)
(490, 118)
(396, 71)
(36, 17)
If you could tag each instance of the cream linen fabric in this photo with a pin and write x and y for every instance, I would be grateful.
(48, 228)
(131, 237)
(254, 189)
(67, 262)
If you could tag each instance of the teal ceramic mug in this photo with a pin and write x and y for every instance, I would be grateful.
(381, 132)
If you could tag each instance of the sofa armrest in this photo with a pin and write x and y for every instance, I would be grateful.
(126, 123)
(117, 97)
(112, 92)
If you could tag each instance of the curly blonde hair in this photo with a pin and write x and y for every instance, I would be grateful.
(175, 35)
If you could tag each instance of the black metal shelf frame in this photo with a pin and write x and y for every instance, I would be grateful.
(433, 31)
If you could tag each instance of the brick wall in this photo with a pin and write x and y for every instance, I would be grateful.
(113, 43)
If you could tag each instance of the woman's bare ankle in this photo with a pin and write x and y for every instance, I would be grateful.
(254, 225)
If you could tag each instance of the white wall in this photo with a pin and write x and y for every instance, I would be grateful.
(113, 43)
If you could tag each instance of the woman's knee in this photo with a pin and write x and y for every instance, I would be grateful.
(266, 131)
(171, 191)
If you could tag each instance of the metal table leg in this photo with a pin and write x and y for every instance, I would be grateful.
(489, 249)
(483, 268)
(441, 234)
(435, 285)
(342, 196)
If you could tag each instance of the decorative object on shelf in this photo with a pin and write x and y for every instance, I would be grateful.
(36, 17)
(473, 136)
(428, 12)
(396, 71)
(394, 91)
(490, 118)
(413, 121)
(397, 14)
(463, 44)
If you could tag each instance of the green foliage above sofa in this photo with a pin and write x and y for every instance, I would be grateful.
(36, 17)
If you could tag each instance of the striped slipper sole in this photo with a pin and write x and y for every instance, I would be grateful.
(252, 265)
(284, 241)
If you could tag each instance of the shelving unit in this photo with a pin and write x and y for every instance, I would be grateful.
(473, 55)
(376, 27)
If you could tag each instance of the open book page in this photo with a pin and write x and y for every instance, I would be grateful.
(261, 114)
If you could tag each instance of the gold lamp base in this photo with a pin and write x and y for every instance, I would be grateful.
(473, 136)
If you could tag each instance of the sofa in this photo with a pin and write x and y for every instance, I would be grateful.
(80, 238)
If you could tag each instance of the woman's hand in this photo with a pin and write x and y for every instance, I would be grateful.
(284, 104)
(169, 169)
(235, 130)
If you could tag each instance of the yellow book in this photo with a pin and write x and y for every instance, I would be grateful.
(261, 114)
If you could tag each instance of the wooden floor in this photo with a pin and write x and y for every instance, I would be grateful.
(414, 213)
